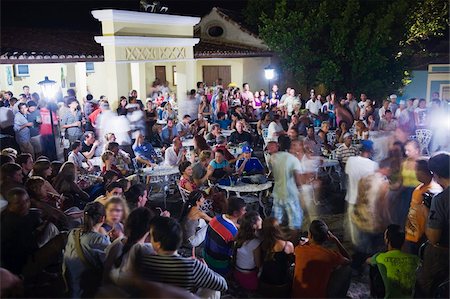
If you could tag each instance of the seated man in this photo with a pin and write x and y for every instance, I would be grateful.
(346, 150)
(144, 151)
(183, 127)
(122, 157)
(175, 154)
(388, 123)
(223, 123)
(167, 266)
(398, 269)
(220, 235)
(249, 165)
(240, 136)
(168, 132)
(315, 264)
(112, 189)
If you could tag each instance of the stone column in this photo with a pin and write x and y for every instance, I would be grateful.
(80, 79)
(138, 79)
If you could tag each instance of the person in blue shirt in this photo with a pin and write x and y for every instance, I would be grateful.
(144, 151)
(223, 123)
(169, 132)
(249, 165)
(221, 168)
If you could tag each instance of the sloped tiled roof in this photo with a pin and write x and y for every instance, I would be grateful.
(209, 49)
(37, 45)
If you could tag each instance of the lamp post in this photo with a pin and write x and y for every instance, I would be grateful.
(48, 88)
(269, 73)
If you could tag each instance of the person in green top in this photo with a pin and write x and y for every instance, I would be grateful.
(397, 269)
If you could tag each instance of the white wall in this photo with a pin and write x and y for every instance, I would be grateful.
(37, 74)
(96, 84)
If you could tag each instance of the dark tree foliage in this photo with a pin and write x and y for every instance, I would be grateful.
(354, 45)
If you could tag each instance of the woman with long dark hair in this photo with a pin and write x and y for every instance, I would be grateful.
(65, 182)
(85, 253)
(277, 253)
(194, 220)
(247, 254)
(121, 254)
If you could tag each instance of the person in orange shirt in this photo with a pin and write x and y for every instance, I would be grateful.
(320, 272)
(420, 208)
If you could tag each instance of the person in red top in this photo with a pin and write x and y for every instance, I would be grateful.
(47, 139)
(109, 163)
(318, 271)
(221, 143)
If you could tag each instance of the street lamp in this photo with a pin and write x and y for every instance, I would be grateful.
(48, 88)
(269, 73)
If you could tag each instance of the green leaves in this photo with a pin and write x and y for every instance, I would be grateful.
(349, 44)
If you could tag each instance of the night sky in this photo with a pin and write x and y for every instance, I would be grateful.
(76, 15)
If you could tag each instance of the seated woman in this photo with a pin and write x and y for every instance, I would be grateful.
(200, 173)
(122, 158)
(277, 256)
(84, 280)
(121, 254)
(109, 162)
(361, 131)
(221, 168)
(340, 132)
(44, 201)
(200, 145)
(116, 214)
(200, 125)
(169, 112)
(186, 181)
(43, 169)
(194, 220)
(65, 183)
(247, 254)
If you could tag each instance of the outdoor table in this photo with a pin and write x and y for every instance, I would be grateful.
(235, 150)
(160, 174)
(330, 166)
(96, 161)
(227, 133)
(248, 188)
(189, 142)
(161, 122)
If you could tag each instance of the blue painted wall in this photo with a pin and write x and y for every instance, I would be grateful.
(418, 86)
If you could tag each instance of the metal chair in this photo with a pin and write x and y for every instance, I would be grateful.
(331, 137)
(424, 138)
(184, 193)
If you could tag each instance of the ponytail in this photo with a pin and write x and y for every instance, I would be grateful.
(93, 214)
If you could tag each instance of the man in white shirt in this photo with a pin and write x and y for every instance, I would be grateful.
(383, 109)
(291, 101)
(356, 168)
(313, 106)
(175, 154)
(287, 172)
(77, 158)
(275, 128)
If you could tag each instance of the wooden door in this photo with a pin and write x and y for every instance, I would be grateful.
(160, 73)
(212, 72)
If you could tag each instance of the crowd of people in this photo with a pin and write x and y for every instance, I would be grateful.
(86, 218)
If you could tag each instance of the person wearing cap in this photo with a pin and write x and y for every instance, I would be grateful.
(393, 106)
(287, 173)
(346, 150)
(249, 165)
(356, 168)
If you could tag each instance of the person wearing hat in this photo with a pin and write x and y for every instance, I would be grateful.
(346, 150)
(356, 168)
(393, 106)
(287, 173)
(249, 165)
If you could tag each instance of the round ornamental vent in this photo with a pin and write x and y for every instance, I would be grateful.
(215, 31)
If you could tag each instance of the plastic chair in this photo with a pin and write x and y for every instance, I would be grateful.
(424, 138)
(184, 193)
(331, 137)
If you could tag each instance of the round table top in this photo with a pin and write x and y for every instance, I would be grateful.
(227, 133)
(242, 187)
(159, 171)
(188, 142)
(161, 122)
